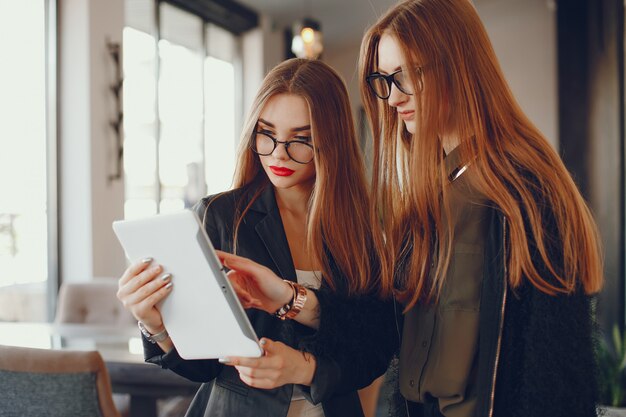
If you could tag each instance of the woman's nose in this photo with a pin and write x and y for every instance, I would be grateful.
(396, 97)
(280, 152)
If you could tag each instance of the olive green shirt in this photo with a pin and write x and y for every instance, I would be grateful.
(438, 356)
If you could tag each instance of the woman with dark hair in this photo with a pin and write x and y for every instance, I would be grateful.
(495, 253)
(299, 210)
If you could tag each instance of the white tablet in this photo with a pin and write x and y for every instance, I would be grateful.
(202, 313)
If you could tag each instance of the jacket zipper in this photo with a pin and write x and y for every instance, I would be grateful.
(497, 359)
(395, 311)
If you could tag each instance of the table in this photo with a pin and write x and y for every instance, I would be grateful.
(122, 351)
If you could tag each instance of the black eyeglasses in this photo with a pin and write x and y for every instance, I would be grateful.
(299, 151)
(380, 84)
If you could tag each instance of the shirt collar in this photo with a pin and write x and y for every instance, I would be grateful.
(454, 164)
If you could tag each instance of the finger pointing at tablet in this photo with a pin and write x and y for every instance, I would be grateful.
(253, 281)
(256, 281)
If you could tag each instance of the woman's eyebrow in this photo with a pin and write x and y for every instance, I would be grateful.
(295, 129)
(301, 129)
(381, 71)
(265, 122)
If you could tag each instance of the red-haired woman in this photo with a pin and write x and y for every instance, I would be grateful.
(300, 210)
(496, 253)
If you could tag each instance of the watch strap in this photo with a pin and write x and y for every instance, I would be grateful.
(298, 301)
(153, 338)
(291, 309)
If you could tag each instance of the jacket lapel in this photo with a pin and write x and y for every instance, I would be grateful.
(272, 233)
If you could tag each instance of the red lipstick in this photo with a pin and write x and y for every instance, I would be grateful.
(281, 171)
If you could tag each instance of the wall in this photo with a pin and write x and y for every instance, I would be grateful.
(523, 34)
(262, 49)
(591, 90)
(89, 202)
(344, 59)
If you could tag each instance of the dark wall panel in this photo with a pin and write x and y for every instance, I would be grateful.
(591, 125)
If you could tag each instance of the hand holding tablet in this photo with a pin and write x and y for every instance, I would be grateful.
(202, 313)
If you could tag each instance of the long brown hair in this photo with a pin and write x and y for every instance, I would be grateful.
(340, 226)
(461, 89)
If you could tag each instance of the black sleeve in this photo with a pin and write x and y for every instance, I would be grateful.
(548, 364)
(195, 370)
(353, 345)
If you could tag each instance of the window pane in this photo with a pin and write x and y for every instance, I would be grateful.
(23, 222)
(220, 108)
(180, 108)
(139, 123)
(220, 139)
(23, 165)
(140, 127)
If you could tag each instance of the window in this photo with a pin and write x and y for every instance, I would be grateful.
(25, 206)
(220, 97)
(180, 111)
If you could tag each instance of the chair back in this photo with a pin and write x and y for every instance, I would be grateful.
(93, 302)
(54, 383)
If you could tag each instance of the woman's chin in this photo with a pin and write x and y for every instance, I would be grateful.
(409, 125)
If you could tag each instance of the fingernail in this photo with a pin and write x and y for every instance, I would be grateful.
(166, 277)
(169, 285)
(146, 260)
(263, 342)
(224, 360)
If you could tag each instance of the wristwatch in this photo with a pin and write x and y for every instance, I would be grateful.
(153, 338)
(295, 305)
(298, 302)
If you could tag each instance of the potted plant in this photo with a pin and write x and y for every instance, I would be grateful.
(612, 374)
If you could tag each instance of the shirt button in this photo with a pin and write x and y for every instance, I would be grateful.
(412, 383)
(424, 343)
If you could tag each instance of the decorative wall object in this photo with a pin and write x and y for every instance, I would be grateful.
(117, 123)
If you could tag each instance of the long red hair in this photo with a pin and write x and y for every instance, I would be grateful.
(341, 230)
(461, 89)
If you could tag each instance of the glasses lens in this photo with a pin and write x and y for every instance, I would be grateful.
(403, 83)
(263, 144)
(300, 152)
(379, 86)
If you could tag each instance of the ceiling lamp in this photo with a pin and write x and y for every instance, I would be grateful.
(307, 39)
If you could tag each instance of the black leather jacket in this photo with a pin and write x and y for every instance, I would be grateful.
(352, 345)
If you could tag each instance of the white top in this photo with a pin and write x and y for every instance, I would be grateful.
(310, 279)
(300, 407)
